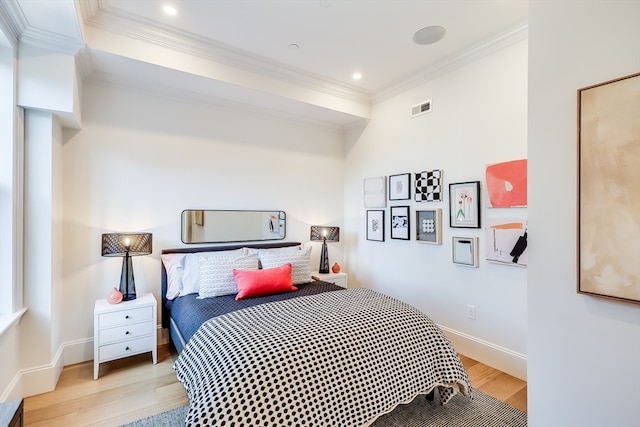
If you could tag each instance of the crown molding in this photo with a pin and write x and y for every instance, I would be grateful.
(12, 20)
(22, 32)
(499, 42)
(51, 41)
(103, 16)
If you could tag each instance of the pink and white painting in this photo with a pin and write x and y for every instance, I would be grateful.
(507, 184)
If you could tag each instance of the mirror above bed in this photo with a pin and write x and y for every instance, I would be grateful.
(220, 226)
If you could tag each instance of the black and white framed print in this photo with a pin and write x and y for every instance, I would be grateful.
(400, 187)
(465, 251)
(400, 222)
(429, 226)
(464, 200)
(428, 186)
(375, 225)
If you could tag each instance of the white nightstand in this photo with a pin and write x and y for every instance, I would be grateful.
(123, 330)
(339, 279)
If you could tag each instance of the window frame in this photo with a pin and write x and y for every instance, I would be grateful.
(11, 185)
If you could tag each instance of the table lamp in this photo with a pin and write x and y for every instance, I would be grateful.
(324, 235)
(126, 245)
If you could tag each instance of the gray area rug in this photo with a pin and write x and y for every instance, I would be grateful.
(482, 411)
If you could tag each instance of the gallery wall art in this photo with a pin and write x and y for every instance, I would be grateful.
(506, 241)
(375, 192)
(609, 189)
(428, 186)
(507, 184)
(465, 251)
(464, 204)
(400, 222)
(375, 225)
(429, 226)
(400, 186)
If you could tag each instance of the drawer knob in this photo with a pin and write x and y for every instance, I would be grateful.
(126, 317)
(127, 349)
(127, 333)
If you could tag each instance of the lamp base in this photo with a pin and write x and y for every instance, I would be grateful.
(127, 283)
(324, 259)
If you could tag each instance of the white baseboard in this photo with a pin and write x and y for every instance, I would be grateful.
(511, 362)
(12, 391)
(42, 379)
(78, 351)
(37, 380)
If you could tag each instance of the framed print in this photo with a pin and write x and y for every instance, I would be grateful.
(375, 192)
(609, 190)
(399, 187)
(429, 226)
(465, 251)
(464, 204)
(506, 241)
(428, 186)
(375, 226)
(400, 222)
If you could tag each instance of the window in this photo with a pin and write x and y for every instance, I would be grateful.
(11, 200)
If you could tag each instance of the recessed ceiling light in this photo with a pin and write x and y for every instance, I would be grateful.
(356, 76)
(429, 35)
(169, 10)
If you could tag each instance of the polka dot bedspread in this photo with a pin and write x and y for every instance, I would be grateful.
(332, 359)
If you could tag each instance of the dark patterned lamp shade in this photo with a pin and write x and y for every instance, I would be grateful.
(320, 234)
(126, 245)
(324, 235)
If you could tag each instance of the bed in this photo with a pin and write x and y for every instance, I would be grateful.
(319, 355)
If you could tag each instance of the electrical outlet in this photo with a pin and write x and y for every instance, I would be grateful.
(471, 312)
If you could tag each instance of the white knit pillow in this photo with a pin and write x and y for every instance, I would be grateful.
(299, 260)
(216, 273)
(191, 274)
(174, 266)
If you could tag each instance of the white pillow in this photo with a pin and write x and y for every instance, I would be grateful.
(298, 258)
(173, 264)
(216, 273)
(191, 276)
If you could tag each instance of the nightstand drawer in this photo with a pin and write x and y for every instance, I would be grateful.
(119, 333)
(127, 348)
(124, 317)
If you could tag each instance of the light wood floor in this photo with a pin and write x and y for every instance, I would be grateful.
(134, 388)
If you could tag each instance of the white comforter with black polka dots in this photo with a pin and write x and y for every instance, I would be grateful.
(335, 359)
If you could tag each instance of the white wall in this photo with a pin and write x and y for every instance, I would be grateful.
(141, 159)
(40, 329)
(583, 351)
(478, 118)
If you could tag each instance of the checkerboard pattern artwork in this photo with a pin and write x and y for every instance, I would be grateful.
(428, 186)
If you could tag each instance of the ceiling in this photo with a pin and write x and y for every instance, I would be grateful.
(295, 57)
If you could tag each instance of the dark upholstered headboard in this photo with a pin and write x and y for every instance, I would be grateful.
(190, 250)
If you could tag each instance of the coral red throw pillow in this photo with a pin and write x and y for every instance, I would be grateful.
(259, 283)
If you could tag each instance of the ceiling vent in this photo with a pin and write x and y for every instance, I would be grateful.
(420, 109)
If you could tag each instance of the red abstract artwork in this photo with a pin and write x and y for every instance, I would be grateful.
(507, 184)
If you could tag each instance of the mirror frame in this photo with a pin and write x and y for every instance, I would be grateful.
(190, 218)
